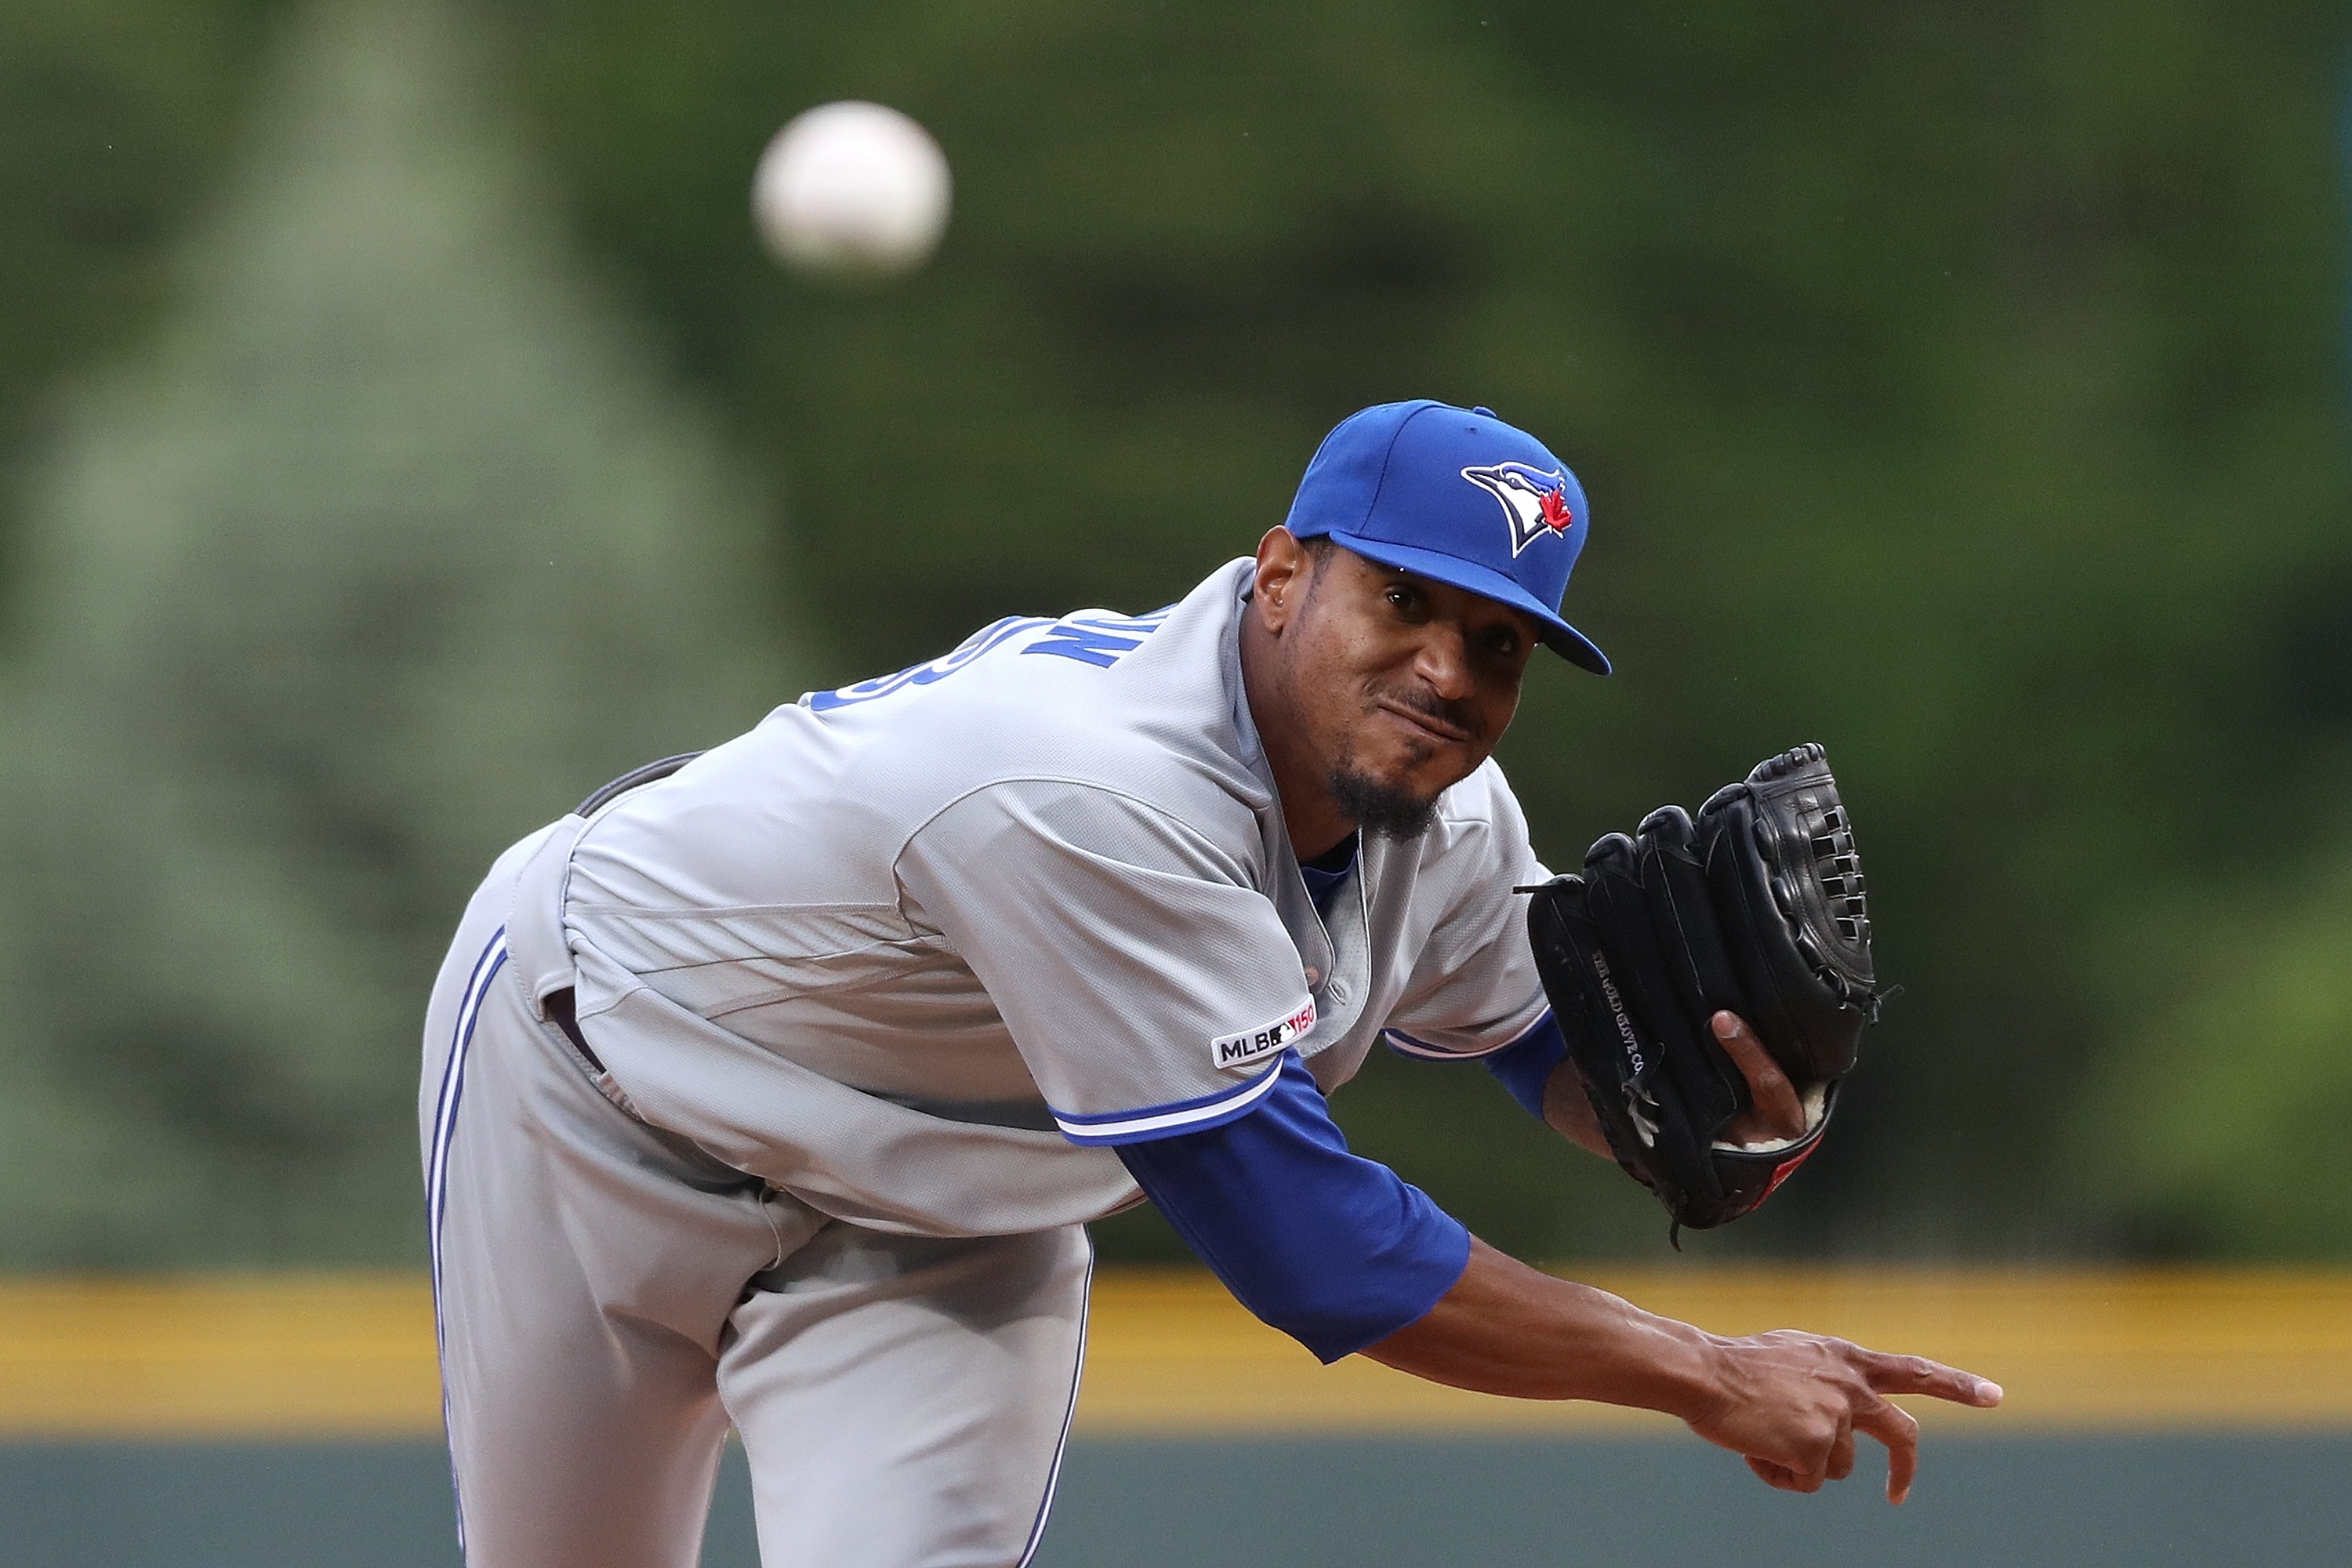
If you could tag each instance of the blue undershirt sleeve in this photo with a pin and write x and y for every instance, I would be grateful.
(1335, 1251)
(1525, 1065)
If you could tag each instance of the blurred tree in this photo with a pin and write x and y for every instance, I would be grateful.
(2219, 1130)
(1960, 387)
(390, 550)
(115, 116)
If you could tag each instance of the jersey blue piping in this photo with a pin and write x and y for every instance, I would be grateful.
(1158, 1120)
(1409, 1046)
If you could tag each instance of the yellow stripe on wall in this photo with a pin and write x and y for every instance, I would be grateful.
(2072, 1349)
(351, 1355)
(269, 1355)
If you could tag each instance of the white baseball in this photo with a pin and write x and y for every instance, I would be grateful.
(851, 189)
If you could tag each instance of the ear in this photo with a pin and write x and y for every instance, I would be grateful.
(1284, 568)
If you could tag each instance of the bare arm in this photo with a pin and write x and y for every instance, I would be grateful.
(1570, 1113)
(1789, 1402)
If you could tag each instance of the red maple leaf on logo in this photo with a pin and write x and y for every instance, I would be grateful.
(1556, 514)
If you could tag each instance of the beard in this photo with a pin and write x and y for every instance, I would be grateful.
(1381, 810)
(1391, 811)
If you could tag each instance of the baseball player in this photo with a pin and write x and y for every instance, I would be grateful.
(775, 1088)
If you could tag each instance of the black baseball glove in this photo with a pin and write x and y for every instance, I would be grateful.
(1757, 907)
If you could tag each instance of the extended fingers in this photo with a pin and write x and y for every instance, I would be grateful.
(1918, 1375)
(1815, 1450)
(1896, 1427)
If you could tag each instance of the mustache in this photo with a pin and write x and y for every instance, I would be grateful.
(1429, 705)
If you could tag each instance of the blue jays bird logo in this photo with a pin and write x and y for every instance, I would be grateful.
(1536, 502)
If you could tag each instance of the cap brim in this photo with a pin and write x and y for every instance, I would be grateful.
(1557, 635)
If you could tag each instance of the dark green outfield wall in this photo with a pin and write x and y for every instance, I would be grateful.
(2089, 1502)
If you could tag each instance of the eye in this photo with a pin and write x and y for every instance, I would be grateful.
(1503, 640)
(1405, 599)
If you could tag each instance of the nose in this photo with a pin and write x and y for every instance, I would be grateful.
(1444, 659)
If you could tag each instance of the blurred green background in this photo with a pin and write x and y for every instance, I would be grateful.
(401, 433)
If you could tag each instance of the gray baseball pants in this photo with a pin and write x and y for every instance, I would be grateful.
(610, 1299)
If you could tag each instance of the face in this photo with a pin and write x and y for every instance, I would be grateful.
(1393, 686)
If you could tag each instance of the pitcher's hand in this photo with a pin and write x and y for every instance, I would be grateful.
(1791, 1403)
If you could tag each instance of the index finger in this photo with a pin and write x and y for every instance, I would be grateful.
(1918, 1375)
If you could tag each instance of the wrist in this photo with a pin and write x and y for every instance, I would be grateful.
(1692, 1373)
(1568, 1109)
(1650, 1362)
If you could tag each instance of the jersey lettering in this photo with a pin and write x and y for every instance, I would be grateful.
(1083, 644)
(1101, 642)
(940, 669)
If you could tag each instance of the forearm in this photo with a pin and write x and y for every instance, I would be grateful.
(1507, 1329)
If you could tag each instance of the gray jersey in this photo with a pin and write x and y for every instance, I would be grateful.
(916, 949)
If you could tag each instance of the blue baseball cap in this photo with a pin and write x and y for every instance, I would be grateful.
(1456, 495)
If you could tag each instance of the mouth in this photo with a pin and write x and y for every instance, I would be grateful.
(1422, 722)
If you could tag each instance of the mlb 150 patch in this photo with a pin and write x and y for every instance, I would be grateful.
(1267, 1039)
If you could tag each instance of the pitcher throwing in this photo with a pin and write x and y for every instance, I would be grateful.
(774, 1087)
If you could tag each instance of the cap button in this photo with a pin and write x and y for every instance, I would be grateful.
(1487, 412)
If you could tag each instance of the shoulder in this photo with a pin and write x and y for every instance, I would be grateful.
(1089, 829)
(1009, 739)
(1137, 710)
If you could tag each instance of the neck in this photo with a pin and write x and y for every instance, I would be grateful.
(1301, 779)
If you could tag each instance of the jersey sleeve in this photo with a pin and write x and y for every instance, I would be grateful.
(1525, 1065)
(1474, 989)
(1336, 1250)
(1148, 984)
